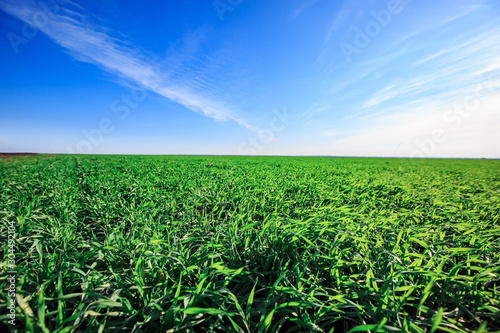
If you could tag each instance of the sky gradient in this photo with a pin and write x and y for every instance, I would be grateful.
(286, 77)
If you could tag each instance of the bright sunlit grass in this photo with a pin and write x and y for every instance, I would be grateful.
(253, 244)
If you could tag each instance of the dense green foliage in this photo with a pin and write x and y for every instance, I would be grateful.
(252, 244)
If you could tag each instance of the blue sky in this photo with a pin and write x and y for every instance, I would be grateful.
(285, 77)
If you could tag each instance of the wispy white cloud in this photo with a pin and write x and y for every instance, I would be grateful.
(465, 49)
(300, 8)
(431, 57)
(476, 133)
(186, 83)
(381, 96)
(467, 10)
(347, 8)
(442, 76)
(429, 26)
(459, 97)
(410, 104)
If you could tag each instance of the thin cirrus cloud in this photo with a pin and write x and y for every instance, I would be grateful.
(340, 17)
(475, 133)
(434, 25)
(399, 118)
(187, 84)
(303, 6)
(444, 73)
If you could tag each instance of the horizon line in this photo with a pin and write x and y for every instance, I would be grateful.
(235, 155)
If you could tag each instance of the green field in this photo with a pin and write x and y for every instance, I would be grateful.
(251, 244)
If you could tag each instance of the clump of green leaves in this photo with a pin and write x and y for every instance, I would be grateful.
(252, 244)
